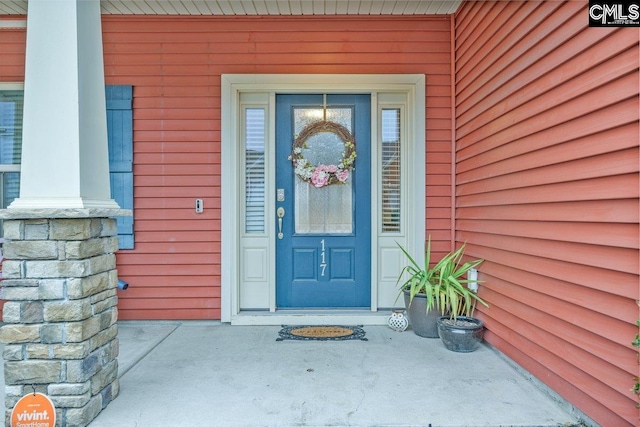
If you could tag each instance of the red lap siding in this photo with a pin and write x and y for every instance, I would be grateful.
(174, 65)
(547, 191)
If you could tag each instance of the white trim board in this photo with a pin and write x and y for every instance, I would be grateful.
(413, 233)
(311, 317)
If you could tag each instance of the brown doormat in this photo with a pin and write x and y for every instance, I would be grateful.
(321, 333)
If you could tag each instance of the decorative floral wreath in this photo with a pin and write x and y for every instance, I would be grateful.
(322, 175)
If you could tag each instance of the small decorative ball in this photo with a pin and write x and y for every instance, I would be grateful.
(398, 321)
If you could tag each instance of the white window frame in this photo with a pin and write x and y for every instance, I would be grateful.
(232, 86)
(245, 104)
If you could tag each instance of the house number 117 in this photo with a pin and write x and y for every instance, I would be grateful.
(323, 263)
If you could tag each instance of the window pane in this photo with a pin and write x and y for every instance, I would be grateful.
(10, 187)
(323, 210)
(11, 105)
(391, 170)
(254, 170)
(328, 209)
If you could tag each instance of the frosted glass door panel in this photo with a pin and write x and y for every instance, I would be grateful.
(328, 209)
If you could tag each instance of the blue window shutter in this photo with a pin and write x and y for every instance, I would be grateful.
(120, 136)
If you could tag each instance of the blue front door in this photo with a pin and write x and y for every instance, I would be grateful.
(323, 182)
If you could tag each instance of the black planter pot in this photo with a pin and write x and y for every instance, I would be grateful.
(423, 323)
(463, 335)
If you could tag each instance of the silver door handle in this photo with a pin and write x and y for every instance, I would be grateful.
(280, 213)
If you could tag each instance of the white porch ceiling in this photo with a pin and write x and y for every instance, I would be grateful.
(260, 7)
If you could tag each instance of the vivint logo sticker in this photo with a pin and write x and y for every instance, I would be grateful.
(614, 13)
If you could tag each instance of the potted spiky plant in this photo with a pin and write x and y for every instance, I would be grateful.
(459, 330)
(433, 291)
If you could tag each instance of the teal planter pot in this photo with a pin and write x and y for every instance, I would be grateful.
(462, 335)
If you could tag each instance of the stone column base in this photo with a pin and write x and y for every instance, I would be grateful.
(60, 329)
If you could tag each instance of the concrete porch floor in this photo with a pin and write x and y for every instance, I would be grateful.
(211, 374)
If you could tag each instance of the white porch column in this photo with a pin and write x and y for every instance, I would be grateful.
(65, 160)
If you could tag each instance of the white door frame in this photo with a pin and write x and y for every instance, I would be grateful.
(232, 85)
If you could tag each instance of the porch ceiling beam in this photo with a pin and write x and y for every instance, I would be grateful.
(260, 7)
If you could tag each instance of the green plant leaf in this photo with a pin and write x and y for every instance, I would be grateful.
(444, 285)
